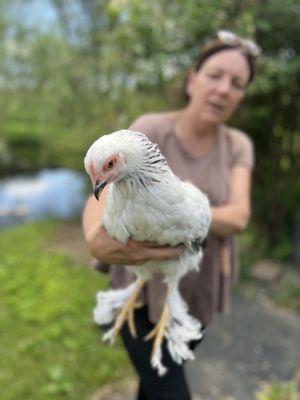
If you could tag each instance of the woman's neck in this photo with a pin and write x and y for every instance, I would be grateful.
(189, 125)
(196, 136)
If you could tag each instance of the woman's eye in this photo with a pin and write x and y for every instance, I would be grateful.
(238, 85)
(214, 76)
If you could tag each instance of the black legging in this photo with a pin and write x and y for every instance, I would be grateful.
(173, 385)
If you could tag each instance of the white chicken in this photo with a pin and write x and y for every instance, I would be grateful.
(147, 202)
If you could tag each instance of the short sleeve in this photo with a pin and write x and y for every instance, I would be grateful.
(150, 125)
(242, 149)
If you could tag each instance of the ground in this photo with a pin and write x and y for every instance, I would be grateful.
(69, 239)
(257, 342)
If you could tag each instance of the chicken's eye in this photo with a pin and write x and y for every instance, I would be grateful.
(110, 164)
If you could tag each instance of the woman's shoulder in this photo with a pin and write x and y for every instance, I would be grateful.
(154, 125)
(237, 135)
(240, 146)
(151, 120)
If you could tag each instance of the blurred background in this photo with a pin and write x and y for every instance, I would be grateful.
(71, 71)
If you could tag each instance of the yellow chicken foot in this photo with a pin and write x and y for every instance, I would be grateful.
(127, 312)
(159, 330)
(130, 318)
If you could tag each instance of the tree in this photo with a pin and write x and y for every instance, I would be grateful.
(106, 61)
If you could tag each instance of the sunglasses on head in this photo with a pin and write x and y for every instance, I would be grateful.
(232, 39)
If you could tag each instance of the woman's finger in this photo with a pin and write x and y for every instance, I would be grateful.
(143, 244)
(164, 253)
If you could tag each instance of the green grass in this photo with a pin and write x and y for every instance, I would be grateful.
(286, 293)
(49, 346)
(278, 391)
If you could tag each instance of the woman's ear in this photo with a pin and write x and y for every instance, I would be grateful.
(190, 80)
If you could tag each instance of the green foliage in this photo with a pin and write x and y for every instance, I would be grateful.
(254, 246)
(49, 346)
(285, 290)
(105, 62)
(286, 293)
(278, 391)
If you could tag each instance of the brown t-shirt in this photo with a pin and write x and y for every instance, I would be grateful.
(206, 291)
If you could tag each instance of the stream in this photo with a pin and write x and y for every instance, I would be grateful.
(56, 193)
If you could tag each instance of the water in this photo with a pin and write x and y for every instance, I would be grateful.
(58, 193)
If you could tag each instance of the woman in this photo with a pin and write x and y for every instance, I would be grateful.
(217, 159)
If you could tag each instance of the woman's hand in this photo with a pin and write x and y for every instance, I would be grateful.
(110, 251)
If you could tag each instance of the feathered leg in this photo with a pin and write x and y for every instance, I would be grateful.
(159, 332)
(159, 329)
(110, 303)
(178, 327)
(182, 329)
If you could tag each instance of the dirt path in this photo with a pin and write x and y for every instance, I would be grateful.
(255, 343)
(69, 239)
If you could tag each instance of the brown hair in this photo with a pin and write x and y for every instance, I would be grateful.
(215, 46)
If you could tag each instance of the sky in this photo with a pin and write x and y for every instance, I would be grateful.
(38, 13)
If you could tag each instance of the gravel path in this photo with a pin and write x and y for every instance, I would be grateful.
(255, 342)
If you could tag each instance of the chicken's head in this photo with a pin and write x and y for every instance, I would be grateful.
(112, 158)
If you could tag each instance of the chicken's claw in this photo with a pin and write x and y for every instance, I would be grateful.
(127, 313)
(159, 330)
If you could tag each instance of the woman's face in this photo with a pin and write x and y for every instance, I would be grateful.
(219, 86)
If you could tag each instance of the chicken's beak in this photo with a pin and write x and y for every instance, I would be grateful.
(98, 187)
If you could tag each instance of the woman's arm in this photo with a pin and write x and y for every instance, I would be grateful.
(110, 251)
(233, 217)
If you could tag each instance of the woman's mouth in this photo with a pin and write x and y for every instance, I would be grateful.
(219, 108)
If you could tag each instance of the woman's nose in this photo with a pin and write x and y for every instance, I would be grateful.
(224, 86)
